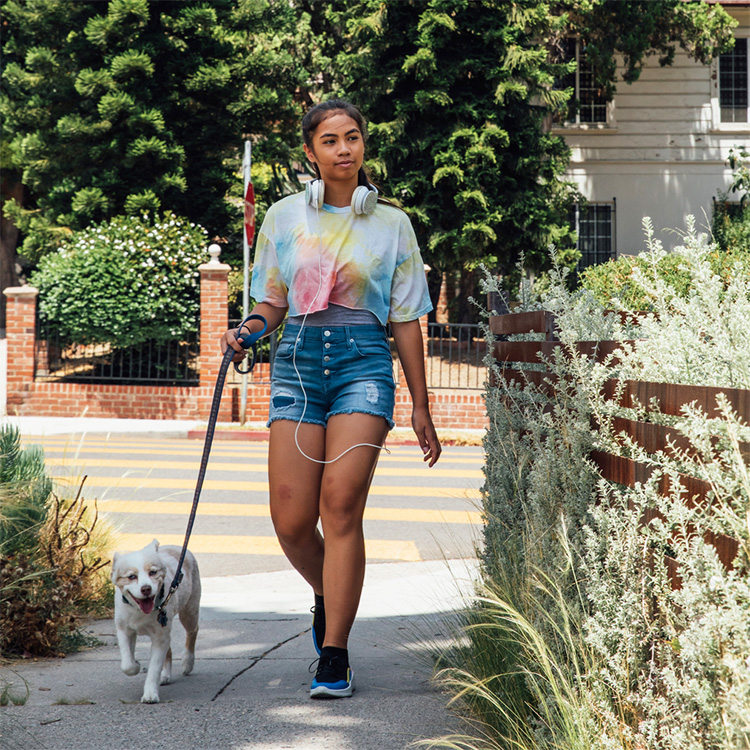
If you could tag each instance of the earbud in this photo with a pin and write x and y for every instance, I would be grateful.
(364, 199)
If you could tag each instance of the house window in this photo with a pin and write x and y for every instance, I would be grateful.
(587, 105)
(594, 224)
(734, 83)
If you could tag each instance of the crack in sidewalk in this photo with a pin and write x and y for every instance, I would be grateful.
(256, 660)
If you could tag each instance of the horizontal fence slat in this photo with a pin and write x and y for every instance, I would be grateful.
(524, 351)
(672, 397)
(600, 350)
(620, 469)
(536, 351)
(726, 547)
(538, 321)
(535, 377)
(652, 437)
(657, 437)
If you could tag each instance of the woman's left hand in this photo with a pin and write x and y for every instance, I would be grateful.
(426, 434)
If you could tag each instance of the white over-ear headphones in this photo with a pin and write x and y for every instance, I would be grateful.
(364, 199)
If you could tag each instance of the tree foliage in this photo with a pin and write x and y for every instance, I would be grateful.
(638, 29)
(459, 94)
(136, 105)
(131, 105)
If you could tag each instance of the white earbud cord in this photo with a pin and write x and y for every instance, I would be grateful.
(294, 360)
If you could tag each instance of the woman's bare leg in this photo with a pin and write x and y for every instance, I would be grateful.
(343, 493)
(294, 483)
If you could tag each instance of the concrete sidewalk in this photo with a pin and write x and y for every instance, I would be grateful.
(250, 686)
(29, 426)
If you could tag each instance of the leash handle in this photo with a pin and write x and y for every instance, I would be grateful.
(246, 340)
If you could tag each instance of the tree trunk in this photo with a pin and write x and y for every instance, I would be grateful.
(9, 188)
(467, 310)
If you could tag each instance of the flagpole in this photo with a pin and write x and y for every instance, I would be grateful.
(246, 162)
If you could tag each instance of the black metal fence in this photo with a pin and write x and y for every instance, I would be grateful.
(455, 356)
(173, 362)
(455, 359)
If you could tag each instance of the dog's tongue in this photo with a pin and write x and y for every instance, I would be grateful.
(146, 605)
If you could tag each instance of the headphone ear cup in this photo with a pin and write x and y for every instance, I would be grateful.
(314, 192)
(364, 200)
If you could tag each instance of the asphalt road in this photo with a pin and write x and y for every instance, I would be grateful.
(144, 487)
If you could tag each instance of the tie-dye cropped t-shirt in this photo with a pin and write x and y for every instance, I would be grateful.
(306, 259)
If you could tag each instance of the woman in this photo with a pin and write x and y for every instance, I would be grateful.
(344, 265)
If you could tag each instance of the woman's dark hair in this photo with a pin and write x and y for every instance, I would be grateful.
(322, 111)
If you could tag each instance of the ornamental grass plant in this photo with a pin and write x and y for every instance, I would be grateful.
(53, 549)
(580, 636)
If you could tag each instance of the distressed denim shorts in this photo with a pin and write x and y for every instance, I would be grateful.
(344, 370)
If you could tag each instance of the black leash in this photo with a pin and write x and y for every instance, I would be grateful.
(247, 341)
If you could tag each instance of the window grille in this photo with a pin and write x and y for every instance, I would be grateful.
(594, 224)
(734, 83)
(588, 104)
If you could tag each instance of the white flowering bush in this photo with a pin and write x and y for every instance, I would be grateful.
(608, 652)
(123, 282)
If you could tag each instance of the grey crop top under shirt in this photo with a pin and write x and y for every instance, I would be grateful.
(336, 315)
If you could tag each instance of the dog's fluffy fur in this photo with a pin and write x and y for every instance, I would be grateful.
(142, 580)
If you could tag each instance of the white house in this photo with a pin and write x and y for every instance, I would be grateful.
(660, 148)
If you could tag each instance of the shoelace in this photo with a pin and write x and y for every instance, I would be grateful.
(329, 669)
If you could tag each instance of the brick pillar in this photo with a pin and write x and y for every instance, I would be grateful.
(214, 322)
(20, 333)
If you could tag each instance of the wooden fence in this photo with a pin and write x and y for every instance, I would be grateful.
(650, 437)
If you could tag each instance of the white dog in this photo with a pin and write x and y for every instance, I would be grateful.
(143, 579)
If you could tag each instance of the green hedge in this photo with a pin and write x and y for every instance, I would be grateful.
(616, 280)
(124, 282)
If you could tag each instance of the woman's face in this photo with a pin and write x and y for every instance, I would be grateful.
(338, 148)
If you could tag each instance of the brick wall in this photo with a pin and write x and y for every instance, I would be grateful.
(451, 409)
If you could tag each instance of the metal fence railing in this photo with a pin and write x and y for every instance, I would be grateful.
(455, 359)
(455, 356)
(172, 362)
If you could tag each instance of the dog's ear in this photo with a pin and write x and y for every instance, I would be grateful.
(115, 558)
(155, 544)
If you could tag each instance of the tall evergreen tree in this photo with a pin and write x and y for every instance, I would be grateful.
(136, 105)
(459, 94)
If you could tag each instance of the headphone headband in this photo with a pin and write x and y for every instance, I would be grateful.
(364, 199)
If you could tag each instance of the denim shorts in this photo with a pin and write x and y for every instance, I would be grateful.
(344, 370)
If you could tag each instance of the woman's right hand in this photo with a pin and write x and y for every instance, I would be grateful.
(273, 317)
(229, 340)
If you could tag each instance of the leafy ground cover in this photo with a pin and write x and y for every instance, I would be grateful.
(578, 639)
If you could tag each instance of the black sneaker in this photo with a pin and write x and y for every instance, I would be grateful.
(333, 679)
(318, 624)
